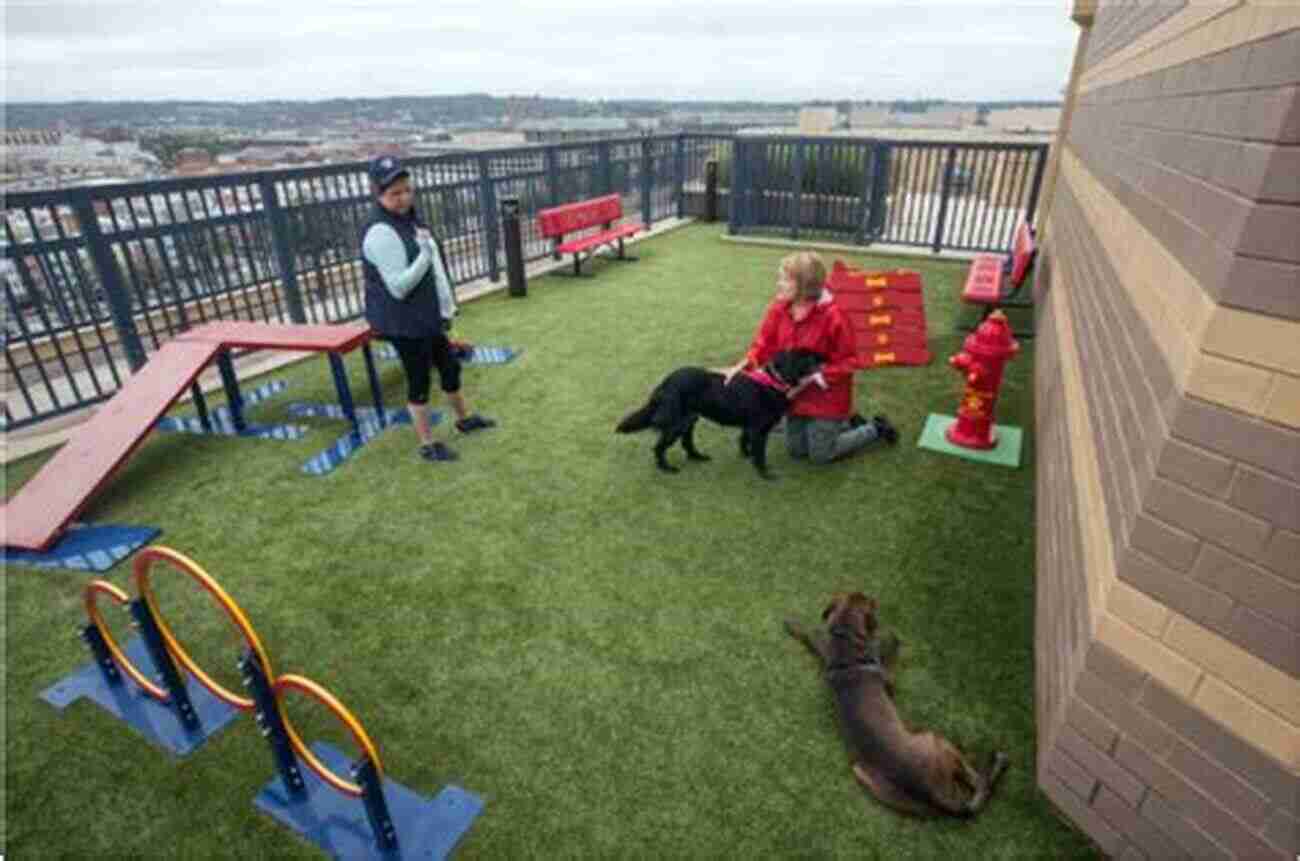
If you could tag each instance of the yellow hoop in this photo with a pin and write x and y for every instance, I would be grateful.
(307, 686)
(94, 588)
(183, 563)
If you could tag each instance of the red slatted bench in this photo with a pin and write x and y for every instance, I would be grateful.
(993, 279)
(558, 221)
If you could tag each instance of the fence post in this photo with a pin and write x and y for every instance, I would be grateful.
(487, 206)
(279, 221)
(878, 185)
(679, 173)
(735, 214)
(647, 182)
(101, 256)
(1037, 186)
(796, 189)
(604, 170)
(943, 199)
(551, 159)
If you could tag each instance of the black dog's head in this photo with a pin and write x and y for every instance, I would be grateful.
(793, 365)
(854, 609)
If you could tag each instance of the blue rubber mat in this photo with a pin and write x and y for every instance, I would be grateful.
(85, 548)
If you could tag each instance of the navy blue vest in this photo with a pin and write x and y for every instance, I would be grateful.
(417, 315)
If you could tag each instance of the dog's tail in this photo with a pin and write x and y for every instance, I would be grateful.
(638, 419)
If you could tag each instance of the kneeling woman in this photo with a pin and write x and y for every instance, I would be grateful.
(409, 302)
(821, 425)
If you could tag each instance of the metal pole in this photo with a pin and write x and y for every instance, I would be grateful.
(279, 222)
(101, 256)
(943, 200)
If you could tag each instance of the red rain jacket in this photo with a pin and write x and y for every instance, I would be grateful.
(825, 330)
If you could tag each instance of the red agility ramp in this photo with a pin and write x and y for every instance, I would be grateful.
(36, 515)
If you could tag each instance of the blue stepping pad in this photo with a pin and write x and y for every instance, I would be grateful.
(328, 460)
(85, 548)
(223, 423)
(477, 356)
(156, 722)
(337, 823)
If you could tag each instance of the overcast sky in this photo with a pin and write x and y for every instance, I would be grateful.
(244, 50)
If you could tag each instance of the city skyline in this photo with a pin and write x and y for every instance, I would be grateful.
(959, 50)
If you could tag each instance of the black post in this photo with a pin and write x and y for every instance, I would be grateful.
(487, 209)
(514, 246)
(647, 182)
(711, 189)
(943, 200)
(119, 302)
(679, 174)
(275, 215)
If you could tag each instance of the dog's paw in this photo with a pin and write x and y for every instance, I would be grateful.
(793, 628)
(698, 456)
(767, 474)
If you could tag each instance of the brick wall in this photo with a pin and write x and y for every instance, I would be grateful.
(1168, 385)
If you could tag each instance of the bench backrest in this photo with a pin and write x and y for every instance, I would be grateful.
(1022, 253)
(572, 217)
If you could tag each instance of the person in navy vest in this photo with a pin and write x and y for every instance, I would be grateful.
(409, 301)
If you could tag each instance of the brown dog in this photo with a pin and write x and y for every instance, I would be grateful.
(921, 773)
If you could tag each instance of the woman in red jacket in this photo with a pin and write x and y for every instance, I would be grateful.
(821, 424)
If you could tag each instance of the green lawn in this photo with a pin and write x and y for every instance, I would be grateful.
(592, 646)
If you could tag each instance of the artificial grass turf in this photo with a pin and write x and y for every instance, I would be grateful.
(591, 645)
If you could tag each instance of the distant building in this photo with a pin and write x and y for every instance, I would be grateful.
(885, 117)
(574, 128)
(817, 121)
(31, 137)
(192, 160)
(1025, 120)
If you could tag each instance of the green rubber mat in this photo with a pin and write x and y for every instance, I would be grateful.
(1005, 453)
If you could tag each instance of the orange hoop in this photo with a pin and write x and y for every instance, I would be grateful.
(180, 562)
(93, 589)
(307, 686)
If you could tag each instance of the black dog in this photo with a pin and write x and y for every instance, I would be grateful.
(755, 403)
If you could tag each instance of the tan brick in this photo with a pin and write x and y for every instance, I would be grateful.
(1175, 672)
(1283, 404)
(1230, 384)
(1261, 728)
(1268, 341)
(1173, 547)
(1137, 609)
(1253, 677)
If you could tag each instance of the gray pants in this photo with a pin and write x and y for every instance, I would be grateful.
(825, 440)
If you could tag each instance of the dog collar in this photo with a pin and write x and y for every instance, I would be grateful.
(868, 660)
(763, 378)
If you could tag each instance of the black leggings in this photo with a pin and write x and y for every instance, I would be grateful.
(419, 356)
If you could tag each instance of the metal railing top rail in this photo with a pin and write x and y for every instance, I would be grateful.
(765, 137)
(142, 188)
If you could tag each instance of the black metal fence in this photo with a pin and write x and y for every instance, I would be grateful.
(945, 196)
(97, 278)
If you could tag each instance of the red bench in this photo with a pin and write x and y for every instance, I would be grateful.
(993, 279)
(575, 217)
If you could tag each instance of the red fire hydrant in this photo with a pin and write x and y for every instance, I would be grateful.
(982, 358)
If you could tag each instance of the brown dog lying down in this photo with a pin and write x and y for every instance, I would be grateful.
(921, 773)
